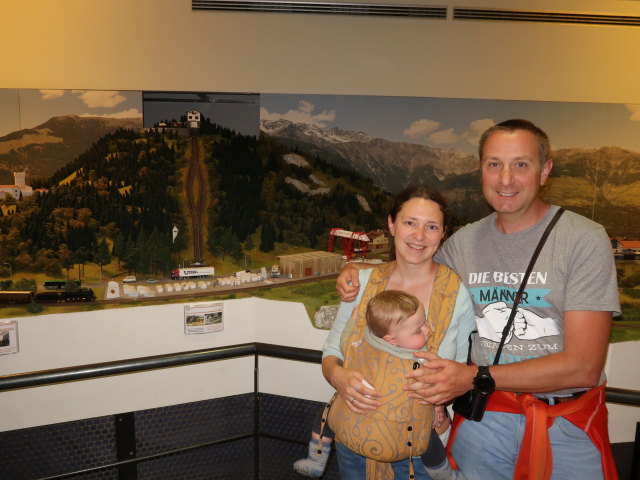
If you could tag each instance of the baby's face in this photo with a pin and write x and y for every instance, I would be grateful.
(413, 333)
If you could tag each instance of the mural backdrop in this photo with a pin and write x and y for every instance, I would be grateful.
(140, 194)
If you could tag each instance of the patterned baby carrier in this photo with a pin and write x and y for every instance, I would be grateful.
(399, 429)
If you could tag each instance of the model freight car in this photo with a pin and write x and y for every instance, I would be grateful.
(192, 272)
(15, 297)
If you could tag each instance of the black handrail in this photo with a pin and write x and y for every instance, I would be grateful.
(83, 372)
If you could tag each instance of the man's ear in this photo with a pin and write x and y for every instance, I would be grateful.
(546, 171)
(390, 339)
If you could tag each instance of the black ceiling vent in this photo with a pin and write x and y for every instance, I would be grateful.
(543, 17)
(326, 8)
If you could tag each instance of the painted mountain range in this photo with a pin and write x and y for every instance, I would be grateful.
(603, 183)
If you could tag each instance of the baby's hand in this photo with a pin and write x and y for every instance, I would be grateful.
(439, 416)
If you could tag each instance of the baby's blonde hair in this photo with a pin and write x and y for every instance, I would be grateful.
(389, 307)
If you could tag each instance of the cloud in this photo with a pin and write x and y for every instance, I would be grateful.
(443, 137)
(303, 114)
(430, 132)
(100, 98)
(51, 94)
(476, 129)
(131, 113)
(635, 112)
(421, 128)
(305, 106)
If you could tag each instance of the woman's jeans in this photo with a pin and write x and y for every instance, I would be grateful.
(352, 466)
(489, 449)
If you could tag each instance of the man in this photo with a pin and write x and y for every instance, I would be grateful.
(552, 361)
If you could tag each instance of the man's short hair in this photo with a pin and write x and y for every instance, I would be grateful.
(544, 147)
(389, 307)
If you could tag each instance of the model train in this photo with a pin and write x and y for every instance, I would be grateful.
(192, 272)
(9, 297)
(62, 284)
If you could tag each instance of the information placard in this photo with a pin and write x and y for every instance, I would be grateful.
(203, 318)
(8, 337)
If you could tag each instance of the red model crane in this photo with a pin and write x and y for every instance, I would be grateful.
(348, 239)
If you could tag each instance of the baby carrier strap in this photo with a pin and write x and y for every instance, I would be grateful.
(441, 305)
(377, 282)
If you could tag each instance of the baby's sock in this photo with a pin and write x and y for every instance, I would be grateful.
(313, 466)
(444, 472)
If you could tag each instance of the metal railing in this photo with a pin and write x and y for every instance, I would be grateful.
(84, 372)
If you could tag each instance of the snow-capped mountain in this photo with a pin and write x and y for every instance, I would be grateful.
(311, 133)
(391, 165)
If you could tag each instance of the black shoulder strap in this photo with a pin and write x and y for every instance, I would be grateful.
(516, 300)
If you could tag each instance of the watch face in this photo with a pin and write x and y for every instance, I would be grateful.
(484, 382)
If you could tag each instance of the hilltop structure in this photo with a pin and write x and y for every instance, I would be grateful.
(20, 189)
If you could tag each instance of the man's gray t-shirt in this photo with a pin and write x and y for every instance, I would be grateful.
(575, 271)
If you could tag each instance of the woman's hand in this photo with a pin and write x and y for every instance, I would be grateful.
(351, 385)
(348, 283)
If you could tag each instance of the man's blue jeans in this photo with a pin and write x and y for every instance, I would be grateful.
(489, 449)
(352, 466)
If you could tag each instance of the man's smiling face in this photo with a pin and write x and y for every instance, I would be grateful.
(512, 172)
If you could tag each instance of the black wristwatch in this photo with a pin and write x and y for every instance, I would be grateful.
(483, 382)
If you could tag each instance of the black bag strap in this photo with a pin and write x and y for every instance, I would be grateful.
(518, 297)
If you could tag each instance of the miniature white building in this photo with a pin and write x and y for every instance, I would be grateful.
(193, 117)
(20, 187)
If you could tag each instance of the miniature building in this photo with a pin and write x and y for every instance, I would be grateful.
(20, 187)
(308, 264)
(193, 118)
(379, 241)
(626, 249)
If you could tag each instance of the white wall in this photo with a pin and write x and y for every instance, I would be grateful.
(622, 373)
(56, 341)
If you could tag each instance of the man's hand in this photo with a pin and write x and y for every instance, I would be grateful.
(348, 284)
(438, 380)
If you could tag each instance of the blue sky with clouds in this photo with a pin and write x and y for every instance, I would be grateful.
(439, 122)
(27, 108)
(457, 123)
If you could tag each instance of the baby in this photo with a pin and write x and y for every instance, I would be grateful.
(395, 321)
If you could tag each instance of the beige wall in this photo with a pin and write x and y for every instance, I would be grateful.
(163, 45)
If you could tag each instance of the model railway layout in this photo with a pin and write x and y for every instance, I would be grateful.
(84, 294)
(80, 294)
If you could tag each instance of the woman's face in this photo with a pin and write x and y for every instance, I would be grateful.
(417, 230)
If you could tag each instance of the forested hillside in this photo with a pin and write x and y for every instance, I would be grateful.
(121, 199)
(248, 177)
(118, 198)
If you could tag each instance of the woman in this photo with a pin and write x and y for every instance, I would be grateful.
(417, 221)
